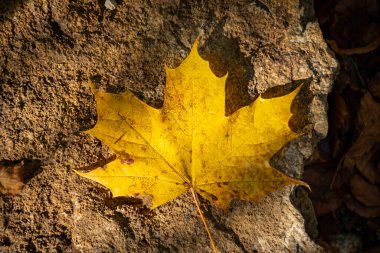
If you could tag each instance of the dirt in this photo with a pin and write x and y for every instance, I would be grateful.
(49, 51)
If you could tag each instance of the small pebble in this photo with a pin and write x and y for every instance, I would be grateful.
(110, 4)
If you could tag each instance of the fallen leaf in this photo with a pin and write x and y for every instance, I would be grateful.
(365, 192)
(364, 153)
(358, 50)
(189, 144)
(11, 180)
(360, 209)
(13, 176)
(374, 85)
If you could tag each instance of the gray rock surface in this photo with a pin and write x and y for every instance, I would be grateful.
(49, 49)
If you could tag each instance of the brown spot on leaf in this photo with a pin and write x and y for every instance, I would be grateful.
(214, 198)
(128, 161)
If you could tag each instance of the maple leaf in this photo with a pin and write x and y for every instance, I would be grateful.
(189, 143)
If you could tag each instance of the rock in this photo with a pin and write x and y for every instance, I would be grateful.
(49, 51)
(110, 4)
(346, 243)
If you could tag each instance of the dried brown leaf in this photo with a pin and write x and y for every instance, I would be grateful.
(360, 209)
(364, 191)
(11, 179)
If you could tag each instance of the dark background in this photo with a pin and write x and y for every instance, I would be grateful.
(344, 172)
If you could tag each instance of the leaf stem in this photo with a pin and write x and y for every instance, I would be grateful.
(196, 201)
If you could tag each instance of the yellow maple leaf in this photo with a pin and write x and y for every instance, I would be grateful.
(189, 143)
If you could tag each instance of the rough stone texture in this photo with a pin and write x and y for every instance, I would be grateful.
(49, 49)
